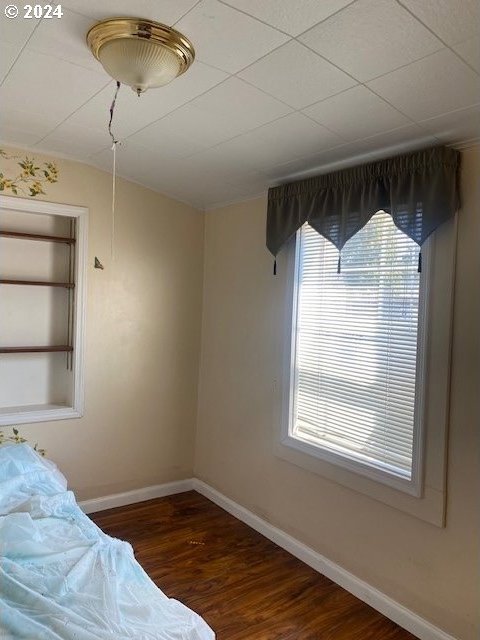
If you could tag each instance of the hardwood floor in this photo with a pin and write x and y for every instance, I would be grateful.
(245, 586)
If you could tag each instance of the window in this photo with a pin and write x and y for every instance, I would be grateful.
(357, 353)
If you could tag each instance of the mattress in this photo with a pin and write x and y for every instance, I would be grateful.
(61, 577)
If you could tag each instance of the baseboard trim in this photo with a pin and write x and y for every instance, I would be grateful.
(137, 495)
(365, 592)
(362, 590)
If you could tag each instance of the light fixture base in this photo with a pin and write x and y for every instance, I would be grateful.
(139, 52)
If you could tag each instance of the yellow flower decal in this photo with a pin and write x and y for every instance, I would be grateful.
(31, 178)
(16, 438)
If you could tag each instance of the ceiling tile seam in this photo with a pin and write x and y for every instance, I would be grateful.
(264, 22)
(447, 113)
(147, 125)
(73, 112)
(334, 64)
(262, 57)
(233, 75)
(302, 110)
(412, 120)
(239, 135)
(186, 13)
(249, 15)
(365, 82)
(366, 85)
(358, 82)
(407, 64)
(34, 49)
(399, 2)
(325, 127)
(94, 20)
(459, 55)
(20, 52)
(184, 104)
(366, 138)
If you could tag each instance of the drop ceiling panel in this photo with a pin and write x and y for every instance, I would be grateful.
(16, 31)
(290, 17)
(75, 140)
(49, 84)
(15, 136)
(296, 75)
(65, 38)
(141, 164)
(403, 139)
(470, 51)
(370, 38)
(244, 105)
(166, 11)
(133, 113)
(453, 20)
(292, 107)
(8, 53)
(429, 87)
(226, 38)
(193, 128)
(373, 115)
(461, 126)
(292, 136)
(35, 122)
(211, 165)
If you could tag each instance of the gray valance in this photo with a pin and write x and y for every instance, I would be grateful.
(420, 190)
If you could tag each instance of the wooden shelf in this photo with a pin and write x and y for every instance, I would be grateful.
(51, 349)
(35, 236)
(39, 283)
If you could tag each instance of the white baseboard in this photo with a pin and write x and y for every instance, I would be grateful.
(365, 592)
(362, 590)
(137, 495)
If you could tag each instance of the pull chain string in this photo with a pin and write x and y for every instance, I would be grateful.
(114, 180)
(114, 169)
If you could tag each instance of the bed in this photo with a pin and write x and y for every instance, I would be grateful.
(61, 577)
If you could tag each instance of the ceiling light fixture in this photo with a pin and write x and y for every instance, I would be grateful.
(140, 53)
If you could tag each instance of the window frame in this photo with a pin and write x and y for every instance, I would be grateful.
(431, 506)
(412, 486)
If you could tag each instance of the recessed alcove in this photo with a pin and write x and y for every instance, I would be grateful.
(42, 288)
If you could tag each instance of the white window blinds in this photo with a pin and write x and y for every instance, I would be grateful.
(355, 346)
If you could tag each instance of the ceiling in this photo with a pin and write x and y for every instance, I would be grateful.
(279, 89)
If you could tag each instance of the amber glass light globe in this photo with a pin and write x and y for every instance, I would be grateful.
(140, 53)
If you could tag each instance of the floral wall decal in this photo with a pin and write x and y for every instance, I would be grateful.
(30, 179)
(18, 439)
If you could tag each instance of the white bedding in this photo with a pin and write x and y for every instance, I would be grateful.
(62, 578)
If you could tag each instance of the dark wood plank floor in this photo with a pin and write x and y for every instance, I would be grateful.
(245, 586)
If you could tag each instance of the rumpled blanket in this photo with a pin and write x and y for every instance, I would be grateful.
(62, 578)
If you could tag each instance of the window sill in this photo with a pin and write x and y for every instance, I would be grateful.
(430, 506)
(37, 413)
(405, 485)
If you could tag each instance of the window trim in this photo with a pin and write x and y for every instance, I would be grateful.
(431, 507)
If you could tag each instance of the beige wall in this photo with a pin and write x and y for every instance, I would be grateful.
(432, 571)
(142, 339)
(142, 351)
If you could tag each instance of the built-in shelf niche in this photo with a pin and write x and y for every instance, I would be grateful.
(42, 310)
